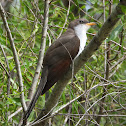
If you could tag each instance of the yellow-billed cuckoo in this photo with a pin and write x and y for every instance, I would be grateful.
(59, 56)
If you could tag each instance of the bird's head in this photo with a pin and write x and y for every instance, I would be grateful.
(81, 24)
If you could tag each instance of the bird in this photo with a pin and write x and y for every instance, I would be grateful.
(59, 57)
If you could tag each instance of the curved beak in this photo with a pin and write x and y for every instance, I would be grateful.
(91, 23)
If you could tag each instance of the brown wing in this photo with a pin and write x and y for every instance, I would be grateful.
(67, 46)
(59, 57)
(55, 73)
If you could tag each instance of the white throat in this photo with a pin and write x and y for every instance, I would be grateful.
(80, 31)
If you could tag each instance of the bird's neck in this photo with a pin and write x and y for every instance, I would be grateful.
(80, 31)
(81, 34)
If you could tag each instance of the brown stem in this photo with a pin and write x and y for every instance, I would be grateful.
(108, 53)
(17, 63)
(41, 53)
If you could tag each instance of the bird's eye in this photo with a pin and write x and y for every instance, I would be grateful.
(81, 22)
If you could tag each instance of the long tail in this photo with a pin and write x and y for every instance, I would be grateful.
(37, 94)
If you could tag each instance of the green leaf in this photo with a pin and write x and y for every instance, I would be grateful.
(123, 7)
(115, 32)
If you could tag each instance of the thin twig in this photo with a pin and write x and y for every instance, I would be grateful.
(118, 62)
(112, 115)
(9, 76)
(17, 63)
(65, 19)
(5, 69)
(41, 53)
(15, 113)
(68, 115)
(93, 105)
(85, 12)
(106, 66)
(118, 44)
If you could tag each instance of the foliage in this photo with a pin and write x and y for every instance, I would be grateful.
(25, 22)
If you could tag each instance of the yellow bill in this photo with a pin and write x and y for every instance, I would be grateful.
(91, 23)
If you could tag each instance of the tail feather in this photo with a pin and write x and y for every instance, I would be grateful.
(37, 93)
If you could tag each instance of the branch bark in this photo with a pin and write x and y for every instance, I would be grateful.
(41, 53)
(86, 54)
(17, 63)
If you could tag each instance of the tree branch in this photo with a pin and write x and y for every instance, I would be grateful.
(41, 53)
(17, 63)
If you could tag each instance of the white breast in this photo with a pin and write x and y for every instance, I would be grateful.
(80, 31)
